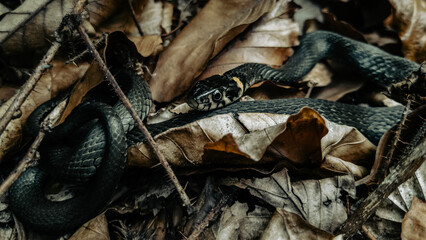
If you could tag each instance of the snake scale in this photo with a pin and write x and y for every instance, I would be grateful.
(104, 142)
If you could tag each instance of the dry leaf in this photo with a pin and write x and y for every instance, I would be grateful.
(239, 222)
(94, 229)
(414, 223)
(386, 223)
(217, 23)
(286, 226)
(301, 138)
(268, 42)
(31, 25)
(59, 77)
(151, 18)
(148, 45)
(317, 201)
(409, 19)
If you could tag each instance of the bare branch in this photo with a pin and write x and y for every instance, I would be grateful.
(135, 116)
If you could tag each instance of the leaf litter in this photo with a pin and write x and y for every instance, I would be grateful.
(273, 176)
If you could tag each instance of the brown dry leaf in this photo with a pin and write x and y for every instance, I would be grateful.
(268, 42)
(317, 201)
(31, 25)
(222, 139)
(409, 19)
(93, 77)
(148, 45)
(94, 229)
(286, 226)
(59, 77)
(185, 58)
(414, 223)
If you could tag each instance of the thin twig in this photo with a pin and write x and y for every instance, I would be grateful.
(29, 156)
(133, 14)
(27, 160)
(396, 139)
(26, 89)
(135, 116)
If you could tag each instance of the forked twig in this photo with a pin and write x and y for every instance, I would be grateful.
(24, 92)
(135, 116)
(26, 89)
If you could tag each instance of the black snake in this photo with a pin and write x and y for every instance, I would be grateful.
(26, 195)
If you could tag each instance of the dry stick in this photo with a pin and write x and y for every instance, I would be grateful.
(28, 86)
(19, 100)
(385, 168)
(47, 124)
(405, 168)
(26, 89)
(22, 164)
(132, 12)
(135, 116)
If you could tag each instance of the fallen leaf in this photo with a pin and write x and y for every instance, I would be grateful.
(300, 140)
(409, 19)
(148, 45)
(151, 18)
(414, 223)
(317, 201)
(196, 44)
(59, 77)
(238, 222)
(286, 226)
(96, 228)
(268, 42)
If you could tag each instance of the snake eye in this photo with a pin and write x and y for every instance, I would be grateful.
(217, 95)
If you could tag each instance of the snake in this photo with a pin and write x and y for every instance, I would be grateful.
(89, 148)
(104, 141)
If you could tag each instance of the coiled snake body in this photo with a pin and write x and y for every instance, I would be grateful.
(27, 198)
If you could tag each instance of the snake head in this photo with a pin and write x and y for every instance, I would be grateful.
(214, 92)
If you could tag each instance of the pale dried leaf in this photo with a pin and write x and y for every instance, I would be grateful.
(151, 18)
(166, 22)
(54, 80)
(3, 9)
(185, 58)
(409, 18)
(238, 222)
(94, 229)
(317, 201)
(414, 223)
(286, 226)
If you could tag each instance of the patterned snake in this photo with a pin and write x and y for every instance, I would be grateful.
(99, 159)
